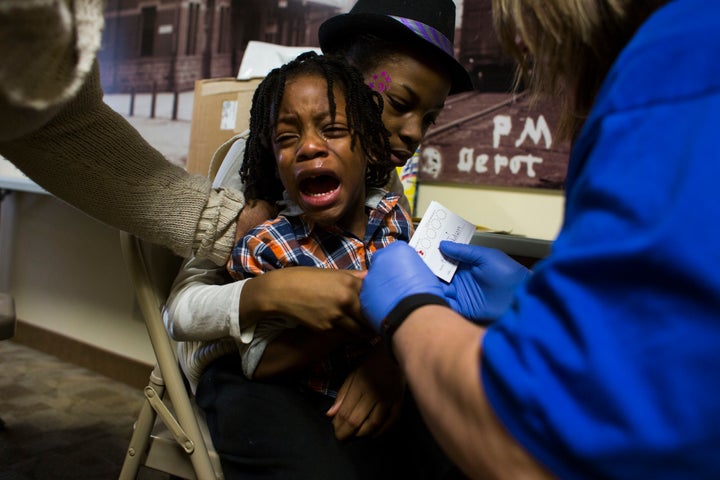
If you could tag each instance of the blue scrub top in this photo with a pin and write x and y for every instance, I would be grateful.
(608, 363)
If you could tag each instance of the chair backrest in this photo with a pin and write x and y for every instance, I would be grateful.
(186, 451)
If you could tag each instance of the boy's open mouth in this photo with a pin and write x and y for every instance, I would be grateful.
(318, 185)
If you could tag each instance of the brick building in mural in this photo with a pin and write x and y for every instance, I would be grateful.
(479, 51)
(486, 137)
(172, 43)
(168, 44)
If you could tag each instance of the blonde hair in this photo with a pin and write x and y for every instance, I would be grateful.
(569, 46)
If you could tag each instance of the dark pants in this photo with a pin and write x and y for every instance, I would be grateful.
(265, 430)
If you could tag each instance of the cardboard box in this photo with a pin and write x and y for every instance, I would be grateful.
(221, 109)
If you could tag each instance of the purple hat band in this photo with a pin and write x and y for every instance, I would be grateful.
(428, 33)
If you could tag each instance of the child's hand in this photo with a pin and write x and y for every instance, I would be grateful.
(370, 399)
(322, 299)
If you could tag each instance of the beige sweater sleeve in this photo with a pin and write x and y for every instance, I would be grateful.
(91, 157)
(47, 48)
(55, 127)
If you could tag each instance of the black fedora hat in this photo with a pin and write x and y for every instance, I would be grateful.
(427, 26)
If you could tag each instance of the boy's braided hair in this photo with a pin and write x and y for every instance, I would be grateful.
(364, 118)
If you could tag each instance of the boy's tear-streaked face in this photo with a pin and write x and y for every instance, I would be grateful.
(318, 167)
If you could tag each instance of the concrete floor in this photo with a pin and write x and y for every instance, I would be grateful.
(62, 421)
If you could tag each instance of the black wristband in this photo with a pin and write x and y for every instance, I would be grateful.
(403, 309)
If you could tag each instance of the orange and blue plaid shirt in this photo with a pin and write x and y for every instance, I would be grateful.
(292, 240)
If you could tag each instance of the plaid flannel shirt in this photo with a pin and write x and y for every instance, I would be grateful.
(292, 240)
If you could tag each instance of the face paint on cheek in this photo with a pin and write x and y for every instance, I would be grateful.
(380, 82)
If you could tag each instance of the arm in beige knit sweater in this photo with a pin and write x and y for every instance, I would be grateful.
(55, 127)
(91, 157)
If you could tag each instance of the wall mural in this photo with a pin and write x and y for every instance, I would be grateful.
(494, 139)
(486, 137)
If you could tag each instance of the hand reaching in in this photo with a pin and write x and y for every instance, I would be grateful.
(397, 272)
(485, 281)
(318, 298)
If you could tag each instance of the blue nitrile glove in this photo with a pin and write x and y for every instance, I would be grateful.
(398, 282)
(485, 281)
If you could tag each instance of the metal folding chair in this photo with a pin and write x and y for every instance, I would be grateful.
(7, 323)
(170, 434)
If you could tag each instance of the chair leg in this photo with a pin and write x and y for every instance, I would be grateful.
(7, 322)
(140, 440)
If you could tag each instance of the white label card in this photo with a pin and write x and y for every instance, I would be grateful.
(436, 225)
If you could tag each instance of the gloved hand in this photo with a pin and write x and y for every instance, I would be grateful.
(485, 281)
(397, 272)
